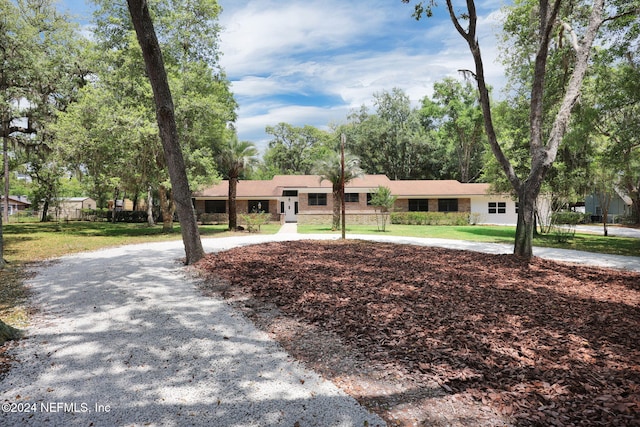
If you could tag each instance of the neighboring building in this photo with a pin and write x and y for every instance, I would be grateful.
(307, 200)
(121, 205)
(16, 204)
(620, 205)
(71, 207)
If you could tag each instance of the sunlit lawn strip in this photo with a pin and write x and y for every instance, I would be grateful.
(37, 241)
(492, 234)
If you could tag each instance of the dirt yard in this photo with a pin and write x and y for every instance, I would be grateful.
(427, 336)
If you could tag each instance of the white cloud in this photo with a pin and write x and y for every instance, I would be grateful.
(261, 34)
(336, 50)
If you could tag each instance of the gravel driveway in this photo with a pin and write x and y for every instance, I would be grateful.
(123, 337)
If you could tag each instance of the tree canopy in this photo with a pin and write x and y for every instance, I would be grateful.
(553, 90)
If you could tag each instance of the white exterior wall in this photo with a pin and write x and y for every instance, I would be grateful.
(480, 209)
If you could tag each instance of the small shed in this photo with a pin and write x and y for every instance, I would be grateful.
(71, 207)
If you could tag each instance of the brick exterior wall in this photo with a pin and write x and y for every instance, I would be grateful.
(362, 218)
(242, 208)
(357, 213)
(401, 205)
(464, 205)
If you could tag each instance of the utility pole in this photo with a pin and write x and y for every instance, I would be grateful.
(344, 226)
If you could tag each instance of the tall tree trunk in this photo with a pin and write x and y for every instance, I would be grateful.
(635, 209)
(605, 202)
(337, 204)
(233, 208)
(5, 152)
(115, 204)
(168, 131)
(135, 201)
(150, 220)
(5, 133)
(2, 262)
(525, 228)
(165, 208)
(45, 211)
(632, 188)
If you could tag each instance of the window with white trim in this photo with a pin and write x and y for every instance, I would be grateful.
(497, 207)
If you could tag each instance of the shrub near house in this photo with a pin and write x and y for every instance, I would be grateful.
(430, 218)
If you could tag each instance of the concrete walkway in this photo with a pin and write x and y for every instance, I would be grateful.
(289, 228)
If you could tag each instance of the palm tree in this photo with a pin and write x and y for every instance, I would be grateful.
(235, 156)
(330, 169)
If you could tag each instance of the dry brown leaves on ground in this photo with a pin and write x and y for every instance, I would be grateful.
(430, 336)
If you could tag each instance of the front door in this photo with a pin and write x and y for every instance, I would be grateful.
(291, 209)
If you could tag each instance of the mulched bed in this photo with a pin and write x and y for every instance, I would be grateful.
(540, 343)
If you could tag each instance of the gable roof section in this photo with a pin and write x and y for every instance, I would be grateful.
(246, 188)
(404, 188)
(16, 200)
(74, 199)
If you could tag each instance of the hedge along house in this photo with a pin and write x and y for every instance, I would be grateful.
(306, 200)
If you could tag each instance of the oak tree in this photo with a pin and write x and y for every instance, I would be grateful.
(544, 141)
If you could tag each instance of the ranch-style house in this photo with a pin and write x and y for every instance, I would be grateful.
(306, 199)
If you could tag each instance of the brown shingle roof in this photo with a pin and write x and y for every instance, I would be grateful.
(416, 188)
(404, 188)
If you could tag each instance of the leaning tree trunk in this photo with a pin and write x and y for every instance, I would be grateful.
(168, 131)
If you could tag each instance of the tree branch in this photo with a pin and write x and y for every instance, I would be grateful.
(536, 114)
(561, 122)
(632, 12)
(483, 91)
(571, 35)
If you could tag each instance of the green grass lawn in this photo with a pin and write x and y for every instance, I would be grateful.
(33, 241)
(493, 234)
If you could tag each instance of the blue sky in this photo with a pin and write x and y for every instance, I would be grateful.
(313, 61)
